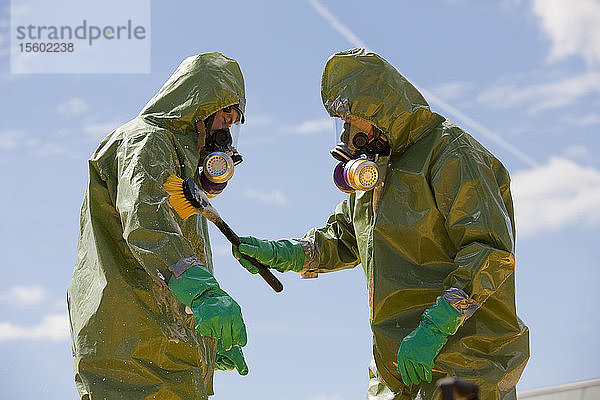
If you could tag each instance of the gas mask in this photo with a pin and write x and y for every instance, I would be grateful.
(357, 151)
(222, 157)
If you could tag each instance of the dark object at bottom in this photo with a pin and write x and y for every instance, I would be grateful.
(455, 389)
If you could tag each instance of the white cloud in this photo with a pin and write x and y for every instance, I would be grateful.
(555, 195)
(577, 152)
(7, 78)
(573, 26)
(583, 120)
(48, 149)
(274, 197)
(574, 29)
(452, 90)
(323, 396)
(542, 96)
(313, 126)
(99, 130)
(31, 142)
(259, 120)
(53, 327)
(73, 106)
(10, 139)
(24, 295)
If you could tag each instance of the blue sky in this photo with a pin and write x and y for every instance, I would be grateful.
(523, 77)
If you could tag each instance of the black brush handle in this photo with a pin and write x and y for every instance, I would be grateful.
(263, 270)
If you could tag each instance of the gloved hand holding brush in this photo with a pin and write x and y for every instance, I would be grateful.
(282, 255)
(188, 198)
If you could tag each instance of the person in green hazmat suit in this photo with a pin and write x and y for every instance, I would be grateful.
(148, 319)
(430, 217)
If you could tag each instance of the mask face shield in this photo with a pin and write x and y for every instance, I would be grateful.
(338, 126)
(236, 118)
(353, 138)
(235, 133)
(221, 140)
(340, 150)
(223, 131)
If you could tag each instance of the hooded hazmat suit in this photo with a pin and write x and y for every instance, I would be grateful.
(131, 338)
(442, 217)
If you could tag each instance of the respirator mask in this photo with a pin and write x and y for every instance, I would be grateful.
(222, 157)
(359, 147)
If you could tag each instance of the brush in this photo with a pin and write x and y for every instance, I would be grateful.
(187, 198)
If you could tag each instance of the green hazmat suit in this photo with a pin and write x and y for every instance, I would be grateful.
(442, 217)
(131, 338)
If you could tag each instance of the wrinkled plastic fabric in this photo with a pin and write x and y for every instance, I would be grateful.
(131, 338)
(442, 218)
(443, 317)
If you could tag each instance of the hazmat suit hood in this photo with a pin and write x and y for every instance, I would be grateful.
(201, 86)
(361, 84)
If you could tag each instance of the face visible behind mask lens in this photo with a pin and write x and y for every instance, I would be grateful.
(219, 164)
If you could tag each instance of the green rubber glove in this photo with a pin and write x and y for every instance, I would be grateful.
(420, 347)
(216, 313)
(282, 255)
(227, 360)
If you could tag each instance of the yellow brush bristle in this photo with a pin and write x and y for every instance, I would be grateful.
(174, 186)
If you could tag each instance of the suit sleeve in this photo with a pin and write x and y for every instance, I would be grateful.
(471, 191)
(332, 247)
(150, 226)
